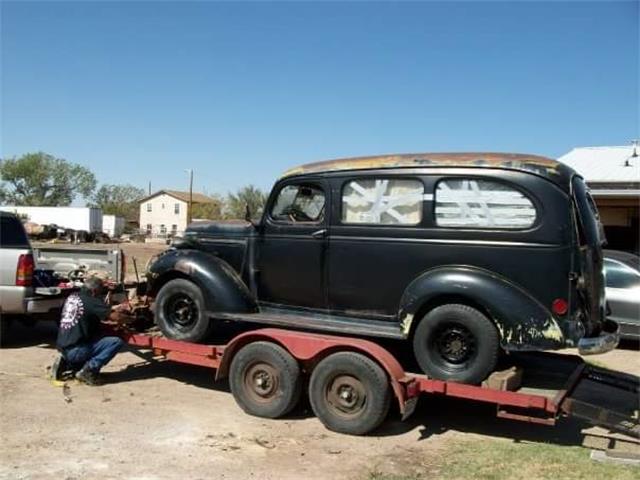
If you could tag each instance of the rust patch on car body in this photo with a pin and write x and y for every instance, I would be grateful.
(536, 164)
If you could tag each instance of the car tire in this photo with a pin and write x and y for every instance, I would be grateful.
(456, 342)
(180, 311)
(265, 380)
(349, 393)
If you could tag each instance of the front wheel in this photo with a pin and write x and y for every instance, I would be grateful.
(456, 342)
(180, 311)
(265, 380)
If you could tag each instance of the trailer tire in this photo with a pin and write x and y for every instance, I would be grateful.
(456, 342)
(180, 311)
(349, 393)
(265, 380)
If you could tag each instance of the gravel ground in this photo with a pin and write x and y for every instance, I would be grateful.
(161, 420)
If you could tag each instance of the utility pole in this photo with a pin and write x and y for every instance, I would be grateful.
(189, 209)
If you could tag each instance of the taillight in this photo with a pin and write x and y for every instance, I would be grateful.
(560, 306)
(24, 272)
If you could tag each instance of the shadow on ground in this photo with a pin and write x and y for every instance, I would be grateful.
(434, 415)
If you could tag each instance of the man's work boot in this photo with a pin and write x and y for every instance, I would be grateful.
(87, 376)
(58, 367)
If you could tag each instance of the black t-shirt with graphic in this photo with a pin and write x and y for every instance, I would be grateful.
(80, 319)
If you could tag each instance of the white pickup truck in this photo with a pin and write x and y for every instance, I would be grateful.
(21, 296)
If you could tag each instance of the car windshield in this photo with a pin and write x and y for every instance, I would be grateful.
(619, 275)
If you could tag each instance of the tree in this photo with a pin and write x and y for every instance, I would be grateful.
(41, 179)
(237, 203)
(209, 211)
(119, 200)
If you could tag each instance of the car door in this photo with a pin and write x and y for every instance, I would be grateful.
(292, 247)
(374, 247)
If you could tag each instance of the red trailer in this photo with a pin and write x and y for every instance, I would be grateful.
(352, 381)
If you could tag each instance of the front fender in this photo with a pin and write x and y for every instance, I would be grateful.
(523, 322)
(222, 287)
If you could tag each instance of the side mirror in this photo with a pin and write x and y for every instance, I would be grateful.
(247, 217)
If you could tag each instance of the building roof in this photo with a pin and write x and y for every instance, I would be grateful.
(604, 164)
(529, 163)
(184, 196)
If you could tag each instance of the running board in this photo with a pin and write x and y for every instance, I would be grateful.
(317, 322)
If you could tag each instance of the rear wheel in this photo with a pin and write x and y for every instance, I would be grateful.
(180, 311)
(456, 342)
(349, 393)
(265, 380)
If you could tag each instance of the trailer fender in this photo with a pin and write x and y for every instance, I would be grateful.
(222, 287)
(310, 348)
(522, 321)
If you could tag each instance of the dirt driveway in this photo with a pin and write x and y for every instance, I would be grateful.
(162, 420)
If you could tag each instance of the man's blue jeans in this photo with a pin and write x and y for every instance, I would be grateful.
(94, 355)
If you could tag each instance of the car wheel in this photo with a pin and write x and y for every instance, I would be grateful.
(349, 393)
(265, 380)
(456, 342)
(180, 311)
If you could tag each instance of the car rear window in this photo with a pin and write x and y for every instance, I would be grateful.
(12, 234)
(477, 203)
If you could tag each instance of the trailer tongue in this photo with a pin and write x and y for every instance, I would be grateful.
(542, 387)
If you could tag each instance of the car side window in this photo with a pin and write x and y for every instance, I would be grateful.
(477, 203)
(382, 201)
(618, 275)
(299, 204)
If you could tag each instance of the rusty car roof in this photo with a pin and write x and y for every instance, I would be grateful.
(543, 166)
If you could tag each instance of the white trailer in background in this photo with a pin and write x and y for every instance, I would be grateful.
(112, 225)
(76, 218)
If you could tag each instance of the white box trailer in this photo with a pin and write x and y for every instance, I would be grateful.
(112, 225)
(76, 218)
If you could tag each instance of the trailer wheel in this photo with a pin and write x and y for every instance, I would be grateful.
(349, 393)
(180, 311)
(265, 380)
(456, 342)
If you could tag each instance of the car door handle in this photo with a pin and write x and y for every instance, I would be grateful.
(319, 233)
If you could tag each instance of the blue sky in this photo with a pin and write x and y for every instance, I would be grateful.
(241, 91)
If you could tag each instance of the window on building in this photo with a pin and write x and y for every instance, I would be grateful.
(176, 208)
(383, 201)
(163, 206)
(149, 229)
(163, 229)
(149, 207)
(299, 203)
(174, 229)
(475, 203)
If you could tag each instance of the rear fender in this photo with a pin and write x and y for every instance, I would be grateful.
(221, 286)
(522, 321)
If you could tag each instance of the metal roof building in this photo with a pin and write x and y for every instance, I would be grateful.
(613, 175)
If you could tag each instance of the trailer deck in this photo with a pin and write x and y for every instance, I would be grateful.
(551, 385)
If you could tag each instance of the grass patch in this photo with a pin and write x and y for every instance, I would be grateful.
(484, 459)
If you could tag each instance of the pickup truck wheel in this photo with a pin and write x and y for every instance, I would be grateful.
(456, 342)
(265, 380)
(180, 311)
(349, 393)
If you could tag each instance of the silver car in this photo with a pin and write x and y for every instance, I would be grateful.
(622, 272)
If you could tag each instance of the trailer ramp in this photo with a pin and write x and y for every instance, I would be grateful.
(604, 398)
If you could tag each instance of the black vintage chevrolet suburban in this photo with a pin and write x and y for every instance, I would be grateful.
(460, 254)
